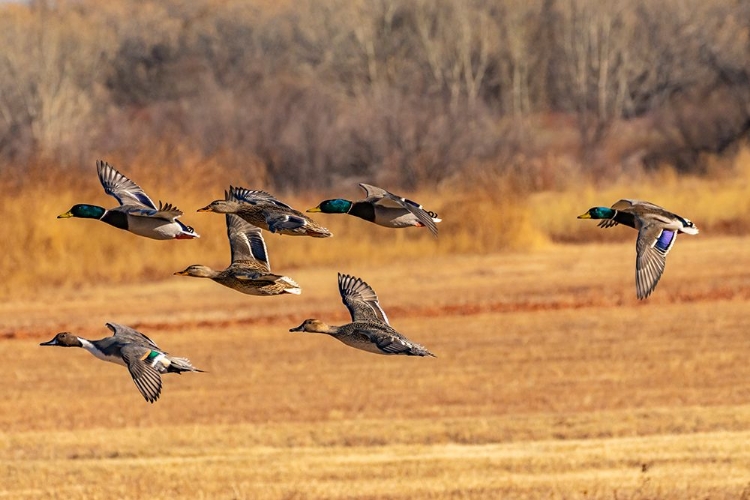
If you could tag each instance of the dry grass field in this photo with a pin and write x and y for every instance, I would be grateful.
(551, 381)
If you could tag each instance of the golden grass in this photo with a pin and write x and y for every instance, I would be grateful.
(716, 204)
(552, 381)
(42, 251)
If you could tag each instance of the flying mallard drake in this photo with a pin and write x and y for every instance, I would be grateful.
(136, 213)
(657, 232)
(369, 329)
(383, 208)
(261, 209)
(250, 271)
(128, 347)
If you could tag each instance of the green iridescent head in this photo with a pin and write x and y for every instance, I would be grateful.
(337, 206)
(84, 211)
(598, 213)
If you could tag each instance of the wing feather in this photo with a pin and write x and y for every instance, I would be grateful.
(651, 253)
(382, 197)
(246, 242)
(122, 188)
(126, 333)
(145, 376)
(360, 299)
(255, 196)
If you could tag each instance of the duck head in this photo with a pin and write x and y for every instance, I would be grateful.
(221, 207)
(197, 271)
(64, 339)
(312, 326)
(84, 211)
(336, 206)
(598, 213)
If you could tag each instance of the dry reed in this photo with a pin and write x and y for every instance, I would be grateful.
(41, 251)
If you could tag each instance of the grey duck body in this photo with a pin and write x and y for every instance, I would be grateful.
(369, 330)
(657, 232)
(130, 348)
(136, 212)
(383, 208)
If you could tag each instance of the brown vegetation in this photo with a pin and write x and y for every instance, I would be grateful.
(408, 93)
(508, 119)
(485, 217)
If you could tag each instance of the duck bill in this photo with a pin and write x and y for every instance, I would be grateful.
(300, 328)
(180, 273)
(585, 216)
(314, 209)
(205, 209)
(51, 342)
(66, 215)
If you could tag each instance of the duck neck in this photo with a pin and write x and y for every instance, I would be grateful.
(115, 218)
(364, 211)
(625, 218)
(92, 347)
(334, 331)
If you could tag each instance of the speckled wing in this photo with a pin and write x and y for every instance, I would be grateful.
(380, 196)
(392, 344)
(255, 197)
(360, 299)
(257, 277)
(145, 376)
(127, 334)
(652, 247)
(123, 189)
(247, 244)
(280, 222)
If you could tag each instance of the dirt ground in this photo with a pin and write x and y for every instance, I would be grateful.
(551, 381)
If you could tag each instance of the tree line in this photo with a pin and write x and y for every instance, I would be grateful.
(413, 92)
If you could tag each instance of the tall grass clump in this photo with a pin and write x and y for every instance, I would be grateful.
(483, 212)
(716, 203)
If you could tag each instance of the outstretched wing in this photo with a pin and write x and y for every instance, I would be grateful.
(166, 212)
(255, 197)
(652, 247)
(360, 299)
(123, 189)
(246, 243)
(126, 333)
(145, 376)
(380, 196)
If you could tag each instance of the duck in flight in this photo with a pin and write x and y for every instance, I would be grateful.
(250, 270)
(132, 349)
(263, 210)
(369, 330)
(383, 208)
(137, 213)
(657, 233)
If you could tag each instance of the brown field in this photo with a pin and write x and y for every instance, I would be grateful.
(551, 381)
